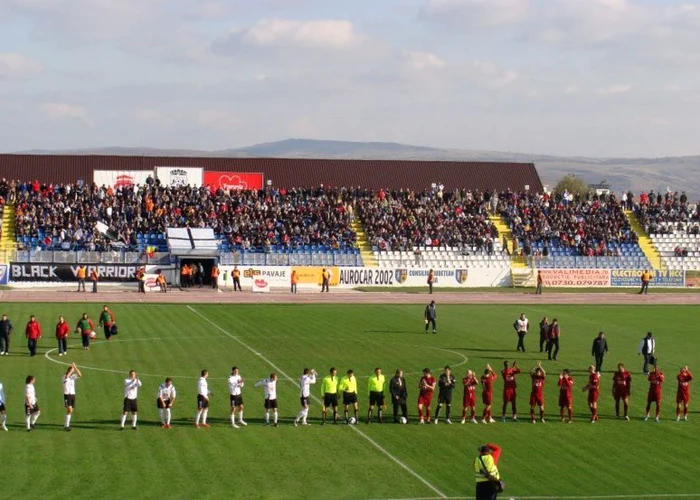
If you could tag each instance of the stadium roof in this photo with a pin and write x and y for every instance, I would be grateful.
(290, 172)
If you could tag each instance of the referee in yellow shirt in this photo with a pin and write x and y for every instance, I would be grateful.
(348, 386)
(329, 390)
(376, 395)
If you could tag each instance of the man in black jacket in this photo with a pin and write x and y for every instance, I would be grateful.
(430, 316)
(5, 331)
(599, 350)
(399, 395)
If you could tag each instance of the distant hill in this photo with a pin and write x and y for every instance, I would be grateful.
(677, 173)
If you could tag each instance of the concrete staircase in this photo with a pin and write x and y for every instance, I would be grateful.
(645, 243)
(368, 258)
(504, 231)
(8, 241)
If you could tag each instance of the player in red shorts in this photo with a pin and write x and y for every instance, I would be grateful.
(487, 380)
(509, 386)
(537, 393)
(683, 394)
(656, 380)
(426, 387)
(622, 388)
(469, 382)
(566, 397)
(593, 393)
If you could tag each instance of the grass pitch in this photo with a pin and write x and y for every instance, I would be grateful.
(551, 460)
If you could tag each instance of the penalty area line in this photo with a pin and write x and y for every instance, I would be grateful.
(379, 447)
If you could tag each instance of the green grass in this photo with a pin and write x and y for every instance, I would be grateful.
(612, 457)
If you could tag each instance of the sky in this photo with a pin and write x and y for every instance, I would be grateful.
(606, 78)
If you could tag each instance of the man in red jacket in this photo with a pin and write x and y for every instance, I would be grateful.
(33, 333)
(62, 331)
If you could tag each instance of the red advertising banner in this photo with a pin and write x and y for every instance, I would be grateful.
(233, 181)
(576, 277)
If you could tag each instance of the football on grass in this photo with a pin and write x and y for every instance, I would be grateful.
(403, 420)
(352, 421)
(93, 334)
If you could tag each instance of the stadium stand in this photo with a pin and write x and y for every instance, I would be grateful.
(65, 216)
(566, 231)
(673, 225)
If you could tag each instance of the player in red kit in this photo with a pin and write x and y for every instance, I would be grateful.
(683, 394)
(487, 380)
(566, 397)
(469, 402)
(538, 376)
(622, 388)
(656, 380)
(509, 386)
(426, 387)
(593, 393)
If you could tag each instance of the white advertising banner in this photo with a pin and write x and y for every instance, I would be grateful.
(180, 176)
(121, 178)
(352, 277)
(255, 277)
(273, 276)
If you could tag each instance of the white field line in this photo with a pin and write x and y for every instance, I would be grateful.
(595, 497)
(440, 494)
(79, 347)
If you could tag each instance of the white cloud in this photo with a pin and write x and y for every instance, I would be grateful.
(218, 119)
(61, 111)
(618, 88)
(422, 61)
(333, 34)
(572, 89)
(481, 13)
(13, 65)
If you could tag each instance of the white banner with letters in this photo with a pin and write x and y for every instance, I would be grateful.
(121, 178)
(359, 277)
(180, 176)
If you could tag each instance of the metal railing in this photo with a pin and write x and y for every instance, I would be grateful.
(281, 259)
(581, 262)
(78, 257)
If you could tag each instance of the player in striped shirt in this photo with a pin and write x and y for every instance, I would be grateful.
(164, 402)
(3, 411)
(270, 386)
(202, 400)
(31, 405)
(235, 389)
(305, 381)
(68, 380)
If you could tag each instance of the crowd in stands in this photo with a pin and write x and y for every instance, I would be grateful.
(70, 216)
(402, 220)
(592, 225)
(667, 213)
(67, 215)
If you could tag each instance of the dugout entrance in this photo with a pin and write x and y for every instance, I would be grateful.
(193, 247)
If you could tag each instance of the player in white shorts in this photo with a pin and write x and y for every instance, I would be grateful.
(270, 386)
(31, 405)
(3, 411)
(164, 402)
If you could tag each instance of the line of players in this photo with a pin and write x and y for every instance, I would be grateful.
(347, 386)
